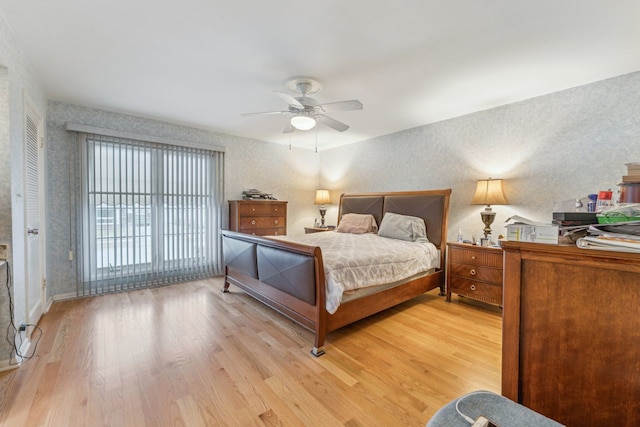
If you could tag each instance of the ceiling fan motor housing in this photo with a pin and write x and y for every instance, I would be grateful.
(307, 111)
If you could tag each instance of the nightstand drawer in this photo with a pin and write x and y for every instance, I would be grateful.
(476, 256)
(477, 290)
(476, 272)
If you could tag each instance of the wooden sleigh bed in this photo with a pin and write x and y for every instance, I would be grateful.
(290, 277)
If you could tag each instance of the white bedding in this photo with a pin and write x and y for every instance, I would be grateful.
(353, 261)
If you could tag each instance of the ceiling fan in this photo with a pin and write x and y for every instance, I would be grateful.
(305, 111)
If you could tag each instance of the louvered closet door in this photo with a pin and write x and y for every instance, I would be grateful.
(34, 144)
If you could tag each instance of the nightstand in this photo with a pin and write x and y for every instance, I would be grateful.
(474, 272)
(308, 230)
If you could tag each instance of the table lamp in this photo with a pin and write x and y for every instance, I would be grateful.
(322, 198)
(489, 192)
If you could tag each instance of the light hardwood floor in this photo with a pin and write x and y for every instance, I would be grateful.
(189, 355)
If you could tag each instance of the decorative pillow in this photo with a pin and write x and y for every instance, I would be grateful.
(357, 224)
(402, 227)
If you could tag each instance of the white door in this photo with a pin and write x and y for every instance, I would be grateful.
(35, 283)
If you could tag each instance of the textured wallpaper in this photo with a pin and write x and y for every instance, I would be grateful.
(550, 149)
(291, 175)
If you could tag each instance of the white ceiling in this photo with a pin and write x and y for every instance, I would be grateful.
(410, 62)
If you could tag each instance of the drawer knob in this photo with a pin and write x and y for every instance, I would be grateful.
(473, 287)
(472, 272)
(276, 209)
(253, 222)
(253, 209)
(275, 221)
(473, 257)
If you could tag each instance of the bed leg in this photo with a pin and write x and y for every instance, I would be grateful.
(225, 290)
(317, 352)
(442, 293)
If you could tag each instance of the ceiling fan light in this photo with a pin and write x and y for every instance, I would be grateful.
(303, 122)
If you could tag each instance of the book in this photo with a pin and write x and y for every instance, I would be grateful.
(631, 178)
(633, 168)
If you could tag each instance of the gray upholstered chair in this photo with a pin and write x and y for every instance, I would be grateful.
(501, 411)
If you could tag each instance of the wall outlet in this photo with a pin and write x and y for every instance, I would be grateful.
(4, 251)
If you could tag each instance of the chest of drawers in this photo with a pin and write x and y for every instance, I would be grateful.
(474, 272)
(262, 218)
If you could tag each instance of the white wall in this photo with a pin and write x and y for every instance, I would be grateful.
(549, 149)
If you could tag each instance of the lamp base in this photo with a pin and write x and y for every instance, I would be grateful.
(323, 211)
(487, 217)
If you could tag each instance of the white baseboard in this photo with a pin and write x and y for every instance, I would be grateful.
(5, 365)
(63, 297)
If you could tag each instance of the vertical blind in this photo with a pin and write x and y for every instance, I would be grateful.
(151, 213)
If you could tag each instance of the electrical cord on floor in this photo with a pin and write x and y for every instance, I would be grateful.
(481, 421)
(12, 331)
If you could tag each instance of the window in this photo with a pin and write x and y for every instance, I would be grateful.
(150, 213)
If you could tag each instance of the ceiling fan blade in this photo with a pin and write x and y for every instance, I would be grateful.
(333, 123)
(265, 112)
(288, 129)
(289, 99)
(352, 105)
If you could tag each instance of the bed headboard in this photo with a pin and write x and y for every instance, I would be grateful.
(430, 205)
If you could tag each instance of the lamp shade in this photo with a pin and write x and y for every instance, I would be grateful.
(303, 122)
(489, 192)
(322, 197)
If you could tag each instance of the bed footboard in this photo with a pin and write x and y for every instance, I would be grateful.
(282, 275)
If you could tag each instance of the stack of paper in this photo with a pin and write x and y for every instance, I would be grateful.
(620, 236)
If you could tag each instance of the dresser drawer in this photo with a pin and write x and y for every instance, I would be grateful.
(477, 290)
(476, 272)
(250, 222)
(489, 258)
(261, 208)
(264, 231)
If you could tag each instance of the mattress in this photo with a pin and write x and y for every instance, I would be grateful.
(355, 261)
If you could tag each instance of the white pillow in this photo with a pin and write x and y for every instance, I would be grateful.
(402, 227)
(357, 224)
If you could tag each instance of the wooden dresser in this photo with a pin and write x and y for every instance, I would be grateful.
(475, 272)
(571, 333)
(262, 218)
